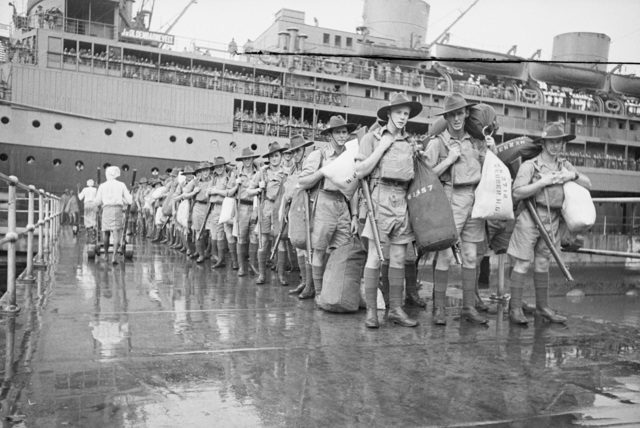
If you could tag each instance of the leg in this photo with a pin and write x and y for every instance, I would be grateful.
(469, 312)
(396, 281)
(518, 276)
(371, 277)
(541, 284)
(262, 259)
(282, 259)
(440, 282)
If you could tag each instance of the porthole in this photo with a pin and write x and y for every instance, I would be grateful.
(57, 162)
(254, 147)
(3, 157)
(4, 120)
(106, 165)
(125, 167)
(107, 131)
(31, 160)
(172, 138)
(129, 134)
(168, 170)
(154, 171)
(189, 140)
(36, 124)
(79, 165)
(58, 126)
(232, 145)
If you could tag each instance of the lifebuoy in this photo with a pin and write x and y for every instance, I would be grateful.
(530, 95)
(612, 106)
(330, 66)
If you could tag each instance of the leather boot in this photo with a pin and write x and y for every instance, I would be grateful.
(220, 262)
(299, 288)
(541, 284)
(516, 316)
(469, 312)
(439, 315)
(282, 276)
(159, 236)
(383, 284)
(233, 254)
(398, 316)
(550, 315)
(440, 281)
(253, 259)
(301, 261)
(309, 290)
(371, 320)
(200, 251)
(528, 308)
(262, 268)
(213, 250)
(412, 298)
(242, 259)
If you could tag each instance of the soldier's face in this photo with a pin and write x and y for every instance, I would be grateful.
(340, 135)
(218, 170)
(553, 147)
(455, 119)
(206, 173)
(287, 156)
(275, 158)
(247, 163)
(400, 116)
(298, 155)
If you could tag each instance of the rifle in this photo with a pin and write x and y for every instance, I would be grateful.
(283, 226)
(307, 222)
(455, 248)
(372, 218)
(204, 222)
(126, 216)
(98, 216)
(260, 200)
(547, 239)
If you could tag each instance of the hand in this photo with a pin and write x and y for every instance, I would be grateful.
(566, 175)
(354, 225)
(454, 154)
(548, 179)
(359, 157)
(491, 143)
(238, 180)
(262, 185)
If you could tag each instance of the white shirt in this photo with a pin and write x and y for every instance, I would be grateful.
(88, 194)
(113, 192)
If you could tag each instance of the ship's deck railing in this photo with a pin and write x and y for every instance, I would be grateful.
(48, 210)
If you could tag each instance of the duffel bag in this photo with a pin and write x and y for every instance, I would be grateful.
(342, 170)
(493, 195)
(578, 210)
(480, 116)
(341, 280)
(297, 219)
(430, 212)
(522, 148)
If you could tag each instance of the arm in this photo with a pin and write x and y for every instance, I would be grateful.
(311, 174)
(366, 166)
(432, 155)
(570, 173)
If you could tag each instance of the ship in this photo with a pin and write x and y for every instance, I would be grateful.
(86, 83)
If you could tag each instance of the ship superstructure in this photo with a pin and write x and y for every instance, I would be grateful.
(87, 85)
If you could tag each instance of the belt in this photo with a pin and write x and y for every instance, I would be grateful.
(269, 199)
(394, 183)
(243, 202)
(201, 202)
(333, 193)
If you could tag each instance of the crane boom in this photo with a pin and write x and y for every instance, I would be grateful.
(446, 30)
(175, 21)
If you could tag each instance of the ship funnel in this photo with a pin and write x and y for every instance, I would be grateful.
(283, 41)
(404, 22)
(302, 40)
(587, 48)
(293, 38)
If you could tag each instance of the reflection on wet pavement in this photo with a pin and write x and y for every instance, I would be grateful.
(162, 342)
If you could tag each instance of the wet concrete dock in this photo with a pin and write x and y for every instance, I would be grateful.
(163, 342)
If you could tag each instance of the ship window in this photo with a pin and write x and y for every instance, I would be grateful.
(4, 120)
(168, 170)
(58, 126)
(57, 162)
(129, 134)
(107, 131)
(386, 95)
(326, 38)
(254, 146)
(367, 93)
(79, 165)
(125, 167)
(154, 171)
(233, 145)
(31, 160)
(36, 123)
(189, 140)
(338, 41)
(349, 42)
(172, 138)
(106, 165)
(3, 157)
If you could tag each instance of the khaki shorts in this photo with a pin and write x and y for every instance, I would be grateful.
(331, 222)
(526, 242)
(216, 230)
(469, 229)
(267, 213)
(246, 224)
(392, 215)
(498, 234)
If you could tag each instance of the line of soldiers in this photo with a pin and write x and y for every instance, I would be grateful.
(243, 211)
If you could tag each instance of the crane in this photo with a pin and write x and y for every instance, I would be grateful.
(445, 33)
(182, 12)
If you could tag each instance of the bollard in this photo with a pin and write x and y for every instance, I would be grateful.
(12, 235)
(501, 263)
(28, 274)
(39, 262)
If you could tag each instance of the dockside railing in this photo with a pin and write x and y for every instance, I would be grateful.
(49, 211)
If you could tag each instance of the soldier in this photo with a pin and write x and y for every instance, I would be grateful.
(221, 183)
(143, 191)
(88, 195)
(387, 156)
(112, 195)
(183, 212)
(267, 181)
(334, 219)
(296, 150)
(541, 179)
(245, 216)
(200, 205)
(457, 159)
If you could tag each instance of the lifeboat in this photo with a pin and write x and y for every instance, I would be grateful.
(564, 75)
(403, 56)
(629, 85)
(478, 61)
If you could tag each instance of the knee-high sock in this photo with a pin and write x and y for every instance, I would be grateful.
(440, 282)
(541, 283)
(468, 287)
(371, 278)
(396, 280)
